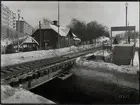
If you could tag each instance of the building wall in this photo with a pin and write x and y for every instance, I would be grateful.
(8, 17)
(49, 38)
(27, 29)
(24, 27)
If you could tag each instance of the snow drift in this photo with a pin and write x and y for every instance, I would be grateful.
(15, 58)
(19, 95)
(106, 79)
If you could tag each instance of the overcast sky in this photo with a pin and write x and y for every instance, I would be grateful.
(107, 13)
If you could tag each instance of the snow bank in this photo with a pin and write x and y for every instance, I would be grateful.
(102, 66)
(9, 59)
(14, 95)
(6, 42)
(15, 58)
(137, 42)
(105, 73)
(136, 60)
(103, 52)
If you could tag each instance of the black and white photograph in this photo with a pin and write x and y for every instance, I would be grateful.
(70, 52)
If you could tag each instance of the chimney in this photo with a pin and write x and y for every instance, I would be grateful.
(55, 23)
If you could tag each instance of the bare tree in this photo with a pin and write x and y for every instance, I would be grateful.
(88, 31)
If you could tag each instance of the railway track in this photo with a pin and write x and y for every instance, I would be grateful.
(35, 69)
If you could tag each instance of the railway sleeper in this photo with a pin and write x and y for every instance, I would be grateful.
(5, 72)
(23, 68)
(10, 70)
(15, 74)
(21, 71)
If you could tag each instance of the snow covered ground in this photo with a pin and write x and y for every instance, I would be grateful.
(5, 42)
(19, 95)
(124, 75)
(107, 53)
(137, 43)
(136, 60)
(109, 66)
(9, 59)
(11, 95)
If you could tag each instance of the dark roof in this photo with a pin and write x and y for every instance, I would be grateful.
(24, 40)
(42, 31)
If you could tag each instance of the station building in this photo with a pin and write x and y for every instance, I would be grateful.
(54, 36)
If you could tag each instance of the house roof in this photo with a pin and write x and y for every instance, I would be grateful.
(74, 35)
(63, 31)
(77, 39)
(103, 38)
(25, 39)
(29, 39)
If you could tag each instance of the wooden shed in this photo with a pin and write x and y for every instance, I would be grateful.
(26, 43)
(53, 37)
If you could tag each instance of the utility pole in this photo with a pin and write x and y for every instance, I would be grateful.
(40, 35)
(58, 27)
(128, 36)
(18, 11)
(126, 5)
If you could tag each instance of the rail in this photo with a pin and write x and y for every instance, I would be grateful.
(23, 72)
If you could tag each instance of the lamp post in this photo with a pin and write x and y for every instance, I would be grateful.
(126, 6)
(18, 11)
(58, 27)
(40, 35)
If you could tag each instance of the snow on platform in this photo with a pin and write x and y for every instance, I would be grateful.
(15, 58)
(110, 67)
(124, 75)
(136, 59)
(19, 95)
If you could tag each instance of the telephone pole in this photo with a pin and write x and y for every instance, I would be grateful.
(18, 11)
(40, 35)
(58, 27)
(126, 6)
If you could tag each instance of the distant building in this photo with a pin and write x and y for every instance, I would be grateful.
(51, 37)
(8, 17)
(26, 43)
(24, 27)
